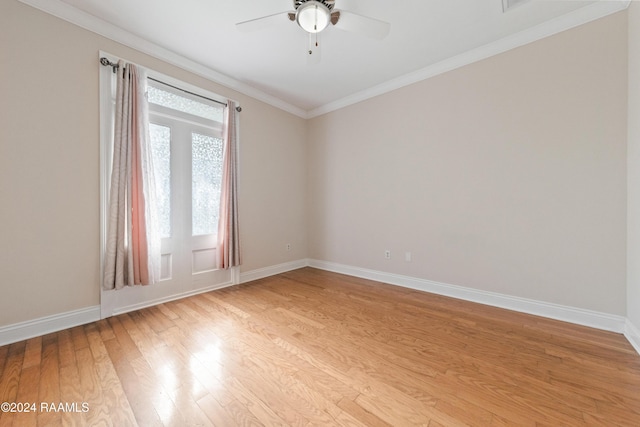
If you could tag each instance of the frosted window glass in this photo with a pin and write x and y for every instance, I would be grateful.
(206, 174)
(161, 152)
(181, 103)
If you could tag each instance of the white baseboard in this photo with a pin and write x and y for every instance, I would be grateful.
(44, 325)
(33, 328)
(157, 301)
(578, 316)
(632, 333)
(261, 273)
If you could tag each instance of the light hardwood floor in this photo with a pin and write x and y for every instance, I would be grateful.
(310, 347)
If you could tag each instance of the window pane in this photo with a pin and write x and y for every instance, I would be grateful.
(206, 162)
(184, 104)
(161, 152)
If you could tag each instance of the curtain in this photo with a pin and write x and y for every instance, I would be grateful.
(133, 242)
(228, 250)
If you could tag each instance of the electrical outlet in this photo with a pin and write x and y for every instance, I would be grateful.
(288, 247)
(387, 254)
(407, 256)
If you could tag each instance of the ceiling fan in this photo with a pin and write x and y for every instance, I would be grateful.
(313, 16)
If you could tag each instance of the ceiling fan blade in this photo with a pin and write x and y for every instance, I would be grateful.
(313, 49)
(354, 23)
(261, 23)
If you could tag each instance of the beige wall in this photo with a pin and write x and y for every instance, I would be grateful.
(633, 212)
(49, 166)
(507, 175)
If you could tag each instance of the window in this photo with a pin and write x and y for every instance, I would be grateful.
(186, 141)
(186, 147)
(206, 174)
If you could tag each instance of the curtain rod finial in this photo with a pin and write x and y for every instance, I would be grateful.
(104, 61)
(238, 109)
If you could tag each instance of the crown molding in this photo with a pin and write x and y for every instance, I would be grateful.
(581, 16)
(96, 25)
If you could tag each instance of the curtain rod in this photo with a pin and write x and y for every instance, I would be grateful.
(104, 61)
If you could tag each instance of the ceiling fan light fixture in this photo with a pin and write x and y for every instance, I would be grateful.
(313, 16)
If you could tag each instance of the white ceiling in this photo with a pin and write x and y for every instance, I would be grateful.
(426, 37)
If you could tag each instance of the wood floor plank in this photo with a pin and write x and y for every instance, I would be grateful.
(49, 392)
(114, 398)
(91, 390)
(190, 411)
(127, 345)
(362, 415)
(156, 390)
(4, 351)
(27, 393)
(193, 379)
(137, 389)
(310, 347)
(10, 379)
(70, 392)
(32, 353)
(79, 338)
(241, 415)
(262, 412)
(218, 416)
